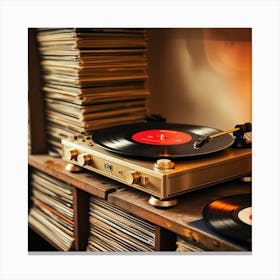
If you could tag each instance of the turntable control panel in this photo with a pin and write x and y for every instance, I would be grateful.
(90, 157)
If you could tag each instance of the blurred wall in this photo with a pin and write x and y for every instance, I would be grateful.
(201, 76)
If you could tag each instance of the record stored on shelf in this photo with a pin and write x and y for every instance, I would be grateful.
(159, 140)
(231, 216)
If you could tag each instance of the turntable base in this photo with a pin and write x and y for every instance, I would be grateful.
(184, 176)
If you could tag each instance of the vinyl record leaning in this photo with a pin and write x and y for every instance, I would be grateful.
(231, 216)
(159, 140)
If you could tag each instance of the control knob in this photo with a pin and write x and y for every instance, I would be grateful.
(132, 177)
(84, 159)
(71, 154)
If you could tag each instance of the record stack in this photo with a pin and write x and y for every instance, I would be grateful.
(113, 229)
(92, 78)
(52, 210)
(183, 245)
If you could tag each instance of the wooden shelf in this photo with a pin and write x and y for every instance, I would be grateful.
(184, 219)
(84, 184)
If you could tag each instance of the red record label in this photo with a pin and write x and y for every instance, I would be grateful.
(161, 137)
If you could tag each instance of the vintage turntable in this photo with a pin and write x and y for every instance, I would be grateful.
(163, 159)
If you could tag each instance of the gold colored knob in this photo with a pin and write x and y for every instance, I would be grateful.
(144, 180)
(71, 154)
(84, 159)
(132, 177)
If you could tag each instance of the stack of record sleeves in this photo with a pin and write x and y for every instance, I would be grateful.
(92, 79)
(51, 213)
(115, 230)
(184, 245)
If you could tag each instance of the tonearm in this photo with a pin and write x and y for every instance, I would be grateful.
(238, 131)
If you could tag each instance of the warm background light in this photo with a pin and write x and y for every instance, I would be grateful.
(201, 75)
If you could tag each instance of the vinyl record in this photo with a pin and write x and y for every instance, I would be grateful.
(231, 216)
(159, 140)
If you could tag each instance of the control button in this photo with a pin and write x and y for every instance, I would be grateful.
(132, 177)
(164, 164)
(84, 159)
(71, 154)
(144, 180)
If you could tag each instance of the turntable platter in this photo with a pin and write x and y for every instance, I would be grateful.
(159, 140)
